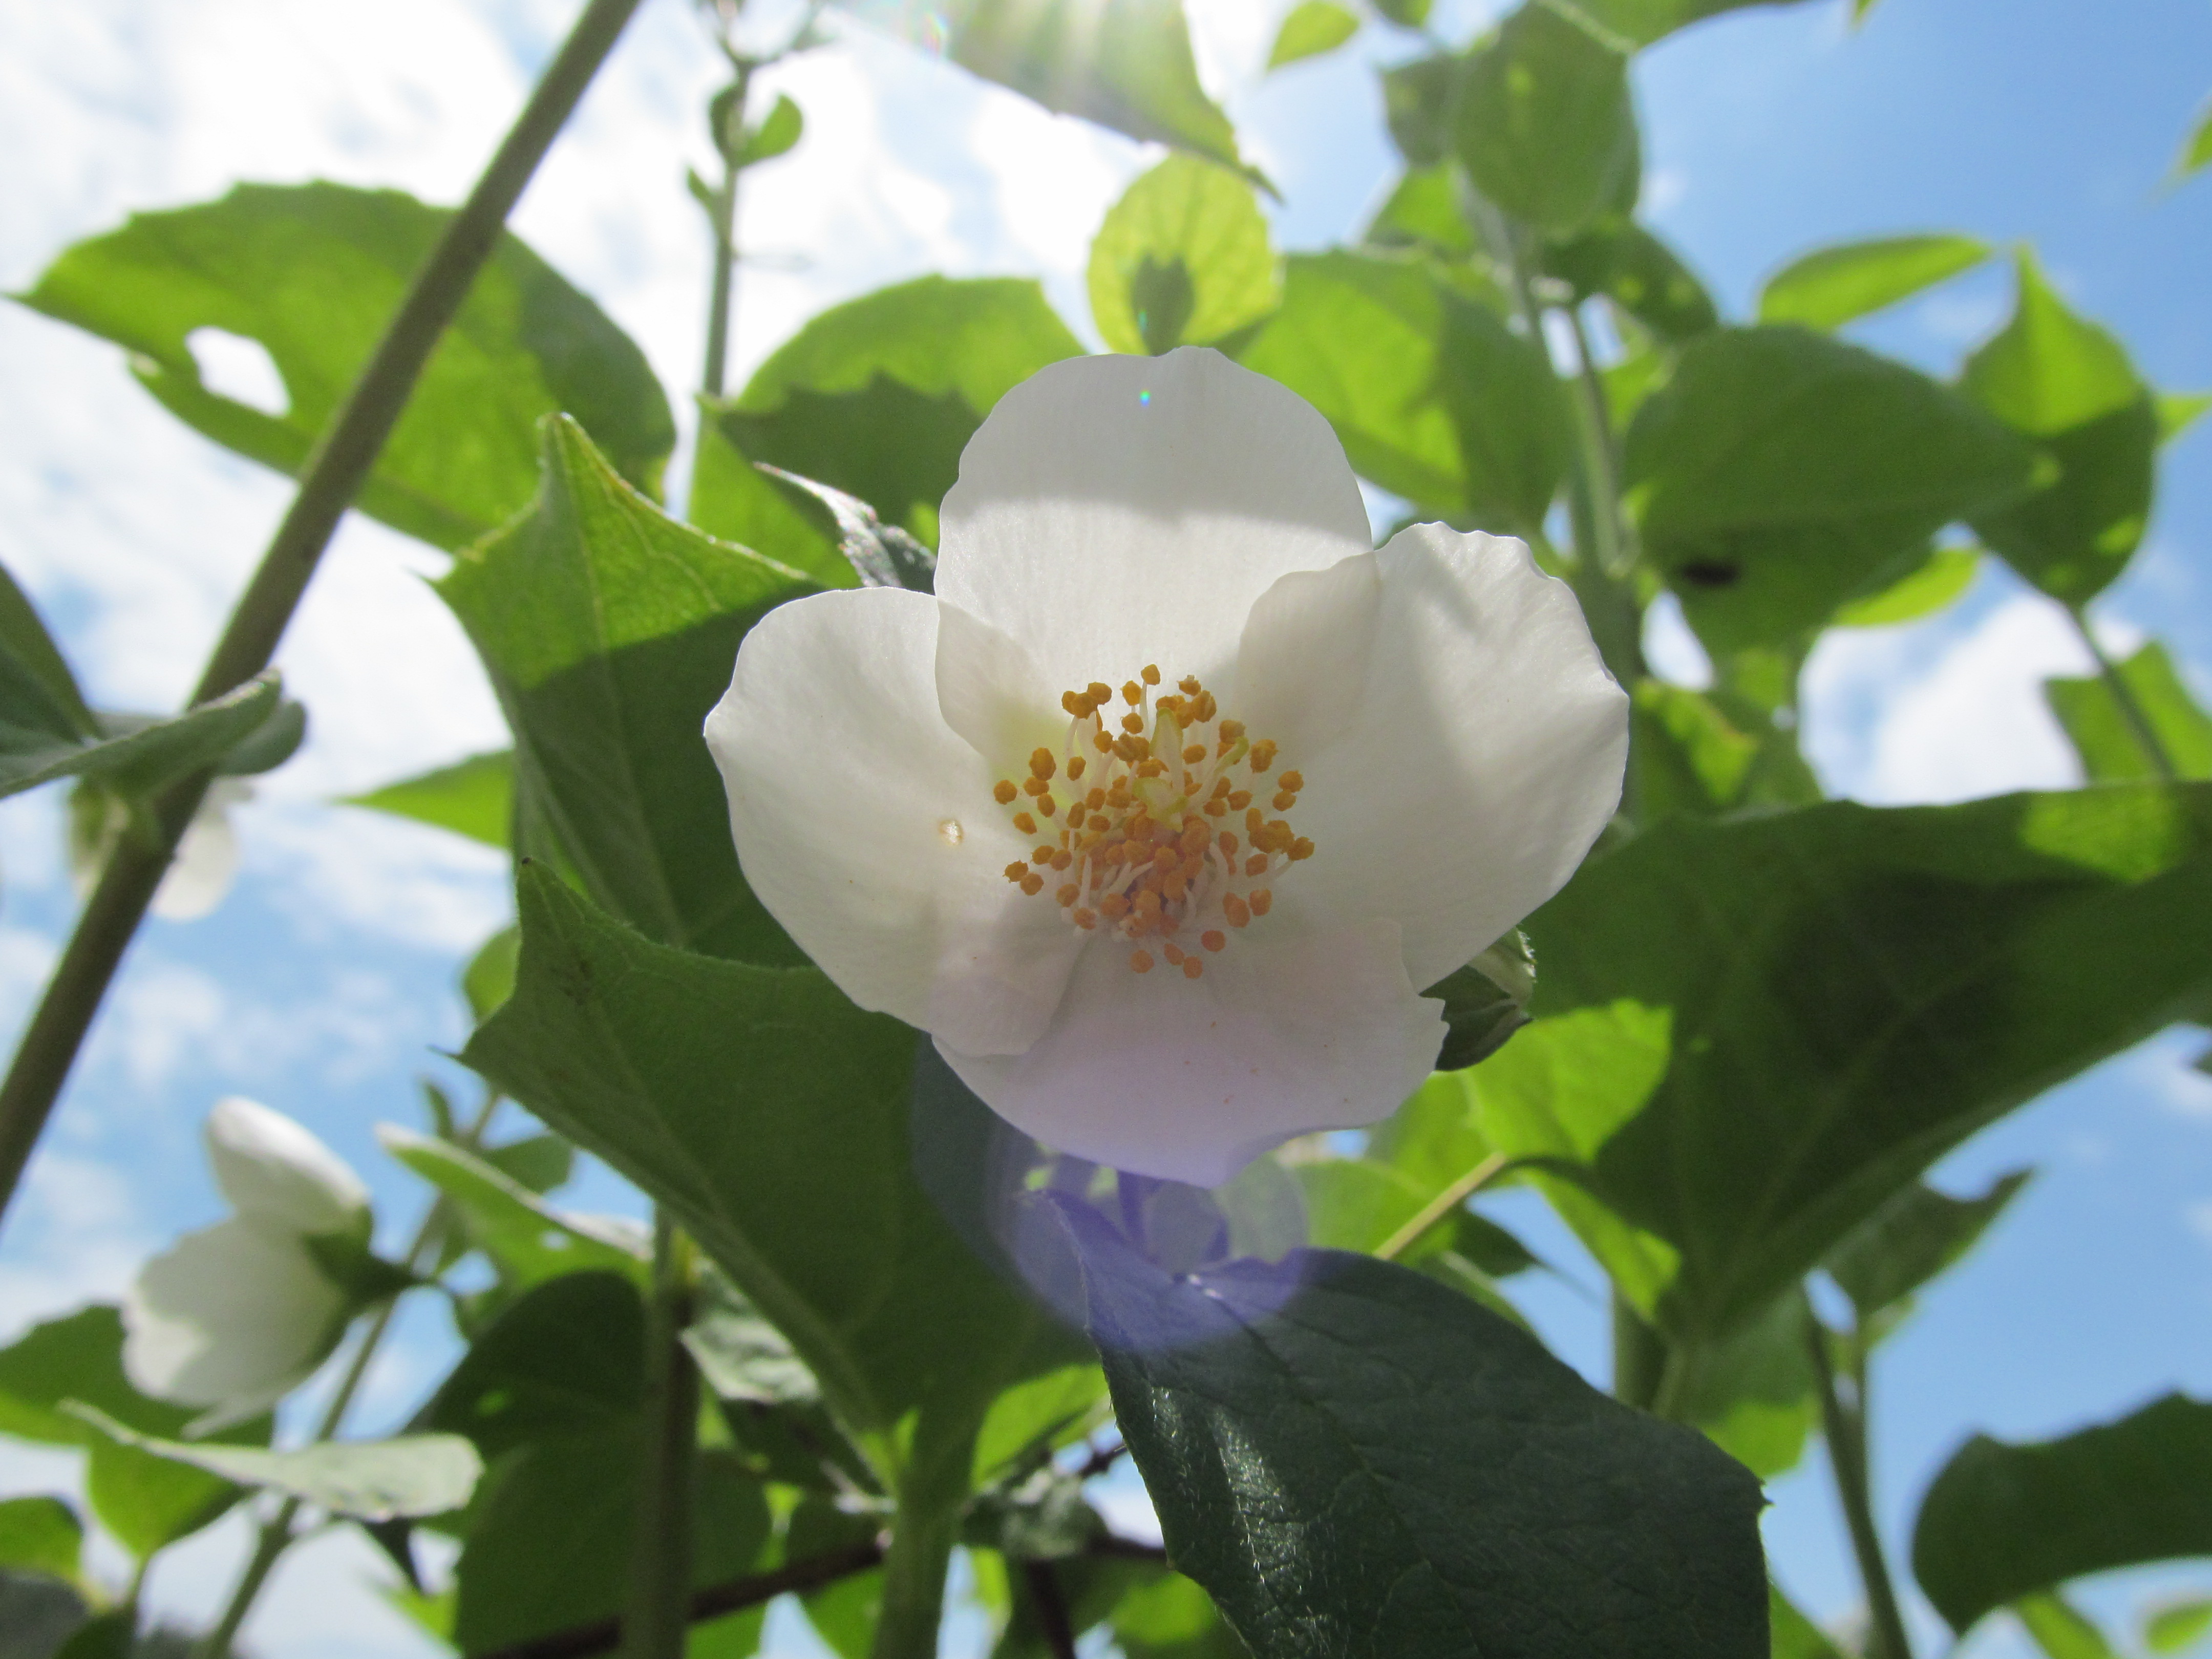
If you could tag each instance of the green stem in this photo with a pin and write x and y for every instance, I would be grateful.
(2131, 709)
(725, 221)
(1601, 462)
(922, 1538)
(659, 1610)
(277, 1533)
(333, 474)
(1441, 1206)
(1844, 1427)
(1639, 1356)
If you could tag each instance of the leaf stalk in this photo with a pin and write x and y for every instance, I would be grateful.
(1843, 1428)
(660, 1613)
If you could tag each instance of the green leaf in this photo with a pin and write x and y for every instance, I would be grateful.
(879, 396)
(1545, 127)
(39, 696)
(2177, 1625)
(1796, 1636)
(2003, 1521)
(735, 501)
(1943, 579)
(1355, 1460)
(1918, 1234)
(314, 272)
(2060, 1629)
(740, 1355)
(2178, 412)
(1831, 286)
(2062, 380)
(411, 1475)
(608, 629)
(549, 1535)
(1421, 211)
(2105, 739)
(1753, 1391)
(1183, 258)
(1312, 28)
(1418, 101)
(489, 980)
(111, 1635)
(141, 755)
(779, 129)
(1825, 999)
(1433, 397)
(1630, 266)
(42, 1536)
(528, 1239)
(754, 1103)
(1125, 64)
(1704, 754)
(1780, 473)
(473, 798)
(2197, 150)
(146, 1502)
(1642, 21)
(541, 1162)
(566, 1358)
(1405, 14)
(1484, 1002)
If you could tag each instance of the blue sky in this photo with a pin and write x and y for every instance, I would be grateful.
(324, 985)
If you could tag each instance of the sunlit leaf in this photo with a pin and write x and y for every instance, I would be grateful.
(1642, 21)
(1831, 286)
(1630, 266)
(529, 1239)
(40, 1536)
(2176, 1626)
(2061, 1629)
(473, 798)
(1918, 1235)
(2105, 739)
(1183, 259)
(1545, 127)
(1943, 579)
(138, 756)
(1312, 27)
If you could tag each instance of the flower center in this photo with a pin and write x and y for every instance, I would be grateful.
(1137, 822)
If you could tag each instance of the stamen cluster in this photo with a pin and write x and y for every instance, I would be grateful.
(1132, 820)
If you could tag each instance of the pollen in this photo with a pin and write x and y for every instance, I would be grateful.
(1145, 856)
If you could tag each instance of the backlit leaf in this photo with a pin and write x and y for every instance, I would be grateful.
(1831, 286)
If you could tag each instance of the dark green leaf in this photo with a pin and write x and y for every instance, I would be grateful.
(136, 755)
(111, 1635)
(1630, 266)
(473, 798)
(1312, 28)
(1418, 101)
(608, 629)
(548, 1536)
(39, 696)
(2106, 740)
(1753, 1390)
(1125, 64)
(1918, 1234)
(529, 1240)
(565, 1359)
(1422, 211)
(538, 1162)
(2062, 380)
(1642, 21)
(1183, 258)
(879, 396)
(741, 1356)
(1355, 1462)
(780, 128)
(1484, 1002)
(736, 501)
(1545, 127)
(754, 1102)
(1826, 999)
(1945, 577)
(145, 1501)
(1432, 397)
(411, 1475)
(1831, 286)
(2003, 1520)
(2177, 1625)
(41, 1534)
(881, 555)
(314, 272)
(1780, 473)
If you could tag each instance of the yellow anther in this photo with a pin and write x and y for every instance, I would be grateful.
(1149, 767)
(1132, 692)
(1114, 907)
(1033, 884)
(1103, 740)
(1147, 902)
(1046, 805)
(1189, 684)
(1096, 799)
(1208, 707)
(1232, 731)
(1025, 824)
(1285, 799)
(1193, 753)
(1194, 840)
(1239, 799)
(1263, 753)
(1041, 764)
(1254, 821)
(1216, 809)
(1067, 896)
(1100, 821)
(1236, 910)
(1301, 850)
(1004, 792)
(1062, 858)
(1152, 673)
(1213, 940)
(1173, 952)
(1261, 900)
(1192, 967)
(1042, 854)
(1073, 702)
(1075, 765)
(1033, 786)
(1016, 870)
(1292, 781)
(1256, 865)
(1099, 693)
(1085, 919)
(1141, 961)
(1227, 842)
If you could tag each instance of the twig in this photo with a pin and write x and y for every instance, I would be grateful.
(1441, 1206)
(1052, 1622)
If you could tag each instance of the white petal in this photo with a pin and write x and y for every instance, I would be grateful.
(865, 824)
(1486, 758)
(277, 1175)
(1113, 512)
(230, 1317)
(990, 690)
(1190, 1081)
(1302, 666)
(207, 858)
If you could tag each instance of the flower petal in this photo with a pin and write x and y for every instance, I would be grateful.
(1190, 1081)
(865, 824)
(1302, 664)
(280, 1176)
(991, 691)
(1113, 512)
(1486, 758)
(207, 858)
(230, 1317)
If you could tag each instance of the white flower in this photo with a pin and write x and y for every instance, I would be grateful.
(207, 857)
(235, 1315)
(1341, 773)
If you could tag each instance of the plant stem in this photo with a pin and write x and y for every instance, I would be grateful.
(720, 303)
(276, 1535)
(333, 474)
(922, 1537)
(659, 1613)
(1441, 1206)
(1054, 1623)
(2131, 707)
(1601, 462)
(1844, 1427)
(1639, 1355)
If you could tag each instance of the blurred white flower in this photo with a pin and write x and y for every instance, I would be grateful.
(207, 858)
(234, 1316)
(1160, 814)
